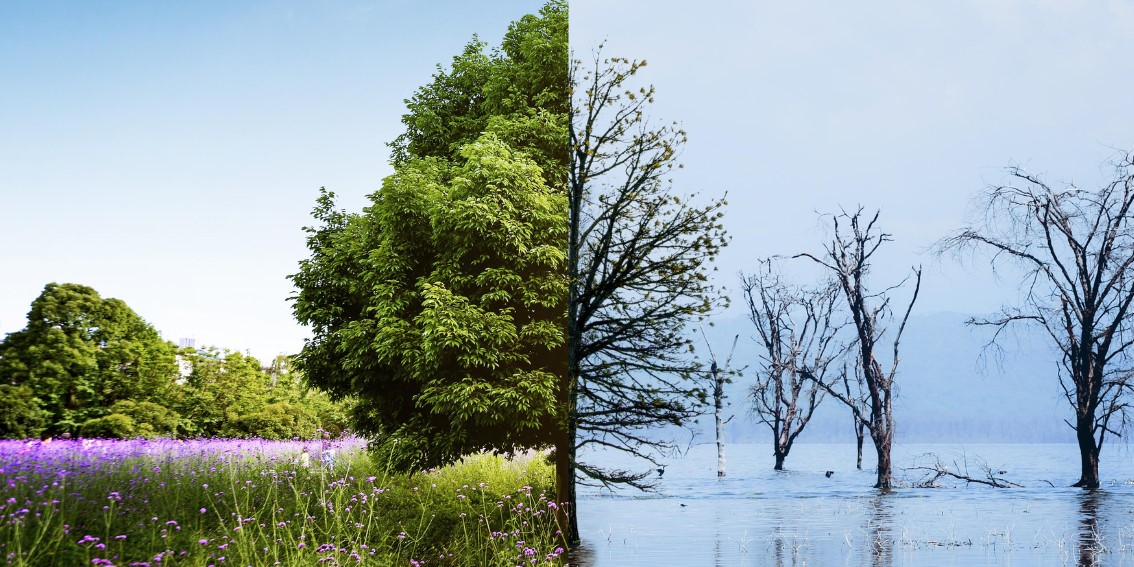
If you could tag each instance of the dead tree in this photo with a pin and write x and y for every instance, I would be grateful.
(848, 258)
(960, 471)
(1076, 252)
(718, 377)
(861, 398)
(796, 329)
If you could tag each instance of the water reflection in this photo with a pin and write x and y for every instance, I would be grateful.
(879, 528)
(1090, 538)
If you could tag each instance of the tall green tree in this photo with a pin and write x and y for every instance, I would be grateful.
(81, 353)
(441, 306)
(445, 318)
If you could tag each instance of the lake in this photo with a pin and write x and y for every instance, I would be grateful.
(757, 516)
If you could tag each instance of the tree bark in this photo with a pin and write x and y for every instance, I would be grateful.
(860, 434)
(883, 449)
(1088, 454)
(718, 401)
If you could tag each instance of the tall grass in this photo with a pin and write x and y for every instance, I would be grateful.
(254, 503)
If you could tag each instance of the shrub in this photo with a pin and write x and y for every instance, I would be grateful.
(112, 426)
(150, 420)
(275, 421)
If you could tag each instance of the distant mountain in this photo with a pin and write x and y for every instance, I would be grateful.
(950, 388)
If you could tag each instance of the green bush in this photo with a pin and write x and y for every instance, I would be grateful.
(113, 426)
(275, 421)
(150, 420)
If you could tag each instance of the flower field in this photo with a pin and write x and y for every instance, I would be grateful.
(252, 503)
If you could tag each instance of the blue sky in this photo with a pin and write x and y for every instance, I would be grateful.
(168, 153)
(907, 107)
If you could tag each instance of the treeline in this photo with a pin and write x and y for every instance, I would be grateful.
(90, 366)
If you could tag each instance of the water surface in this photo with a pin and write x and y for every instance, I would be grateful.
(757, 516)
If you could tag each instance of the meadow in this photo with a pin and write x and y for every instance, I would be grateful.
(257, 503)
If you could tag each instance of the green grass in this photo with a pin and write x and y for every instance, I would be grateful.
(214, 503)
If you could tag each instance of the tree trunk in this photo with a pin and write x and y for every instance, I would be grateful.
(882, 446)
(718, 401)
(860, 436)
(562, 485)
(779, 461)
(1088, 454)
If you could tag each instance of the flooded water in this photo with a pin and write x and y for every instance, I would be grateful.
(756, 516)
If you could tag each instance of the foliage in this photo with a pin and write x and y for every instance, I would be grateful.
(639, 259)
(456, 341)
(202, 503)
(88, 365)
(221, 386)
(519, 93)
(276, 421)
(111, 426)
(440, 307)
(20, 414)
(80, 353)
(150, 419)
(1076, 251)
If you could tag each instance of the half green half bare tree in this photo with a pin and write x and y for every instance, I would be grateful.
(1076, 252)
(848, 258)
(797, 329)
(639, 255)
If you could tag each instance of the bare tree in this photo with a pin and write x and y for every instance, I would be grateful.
(1076, 252)
(718, 377)
(638, 261)
(848, 258)
(797, 330)
(859, 396)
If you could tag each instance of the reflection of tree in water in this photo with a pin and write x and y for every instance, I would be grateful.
(878, 530)
(1090, 538)
(786, 549)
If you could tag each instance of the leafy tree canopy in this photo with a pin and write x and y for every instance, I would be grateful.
(519, 92)
(441, 306)
(80, 353)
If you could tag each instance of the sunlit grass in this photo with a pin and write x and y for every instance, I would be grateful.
(148, 503)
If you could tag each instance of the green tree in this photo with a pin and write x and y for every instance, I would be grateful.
(81, 353)
(150, 419)
(110, 426)
(518, 92)
(452, 336)
(441, 306)
(280, 420)
(20, 414)
(221, 386)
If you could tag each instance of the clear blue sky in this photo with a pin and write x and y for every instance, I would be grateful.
(168, 153)
(911, 107)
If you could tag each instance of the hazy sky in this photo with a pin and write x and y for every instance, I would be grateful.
(911, 107)
(168, 153)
